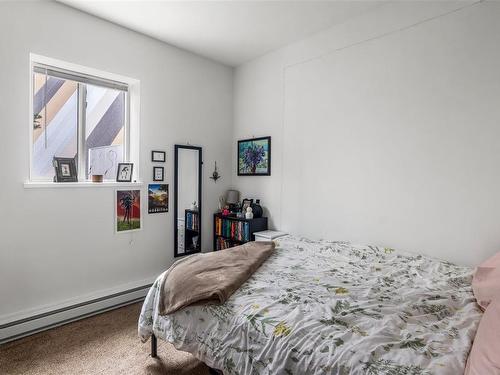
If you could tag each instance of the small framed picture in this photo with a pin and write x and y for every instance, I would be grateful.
(158, 156)
(245, 204)
(158, 173)
(124, 172)
(65, 169)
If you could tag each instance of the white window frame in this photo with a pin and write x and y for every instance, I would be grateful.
(132, 118)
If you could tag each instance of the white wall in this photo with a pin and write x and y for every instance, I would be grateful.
(385, 130)
(58, 245)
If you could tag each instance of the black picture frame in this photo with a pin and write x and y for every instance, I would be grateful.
(176, 195)
(162, 173)
(119, 172)
(158, 156)
(245, 201)
(65, 169)
(243, 171)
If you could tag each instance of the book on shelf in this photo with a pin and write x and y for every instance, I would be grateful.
(192, 221)
(222, 243)
(232, 229)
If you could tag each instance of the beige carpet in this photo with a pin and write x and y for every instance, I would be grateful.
(102, 344)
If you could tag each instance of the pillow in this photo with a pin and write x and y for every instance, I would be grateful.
(486, 281)
(484, 357)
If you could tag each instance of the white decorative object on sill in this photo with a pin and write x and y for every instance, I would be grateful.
(268, 235)
(249, 213)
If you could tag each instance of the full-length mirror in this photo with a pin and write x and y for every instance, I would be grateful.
(187, 203)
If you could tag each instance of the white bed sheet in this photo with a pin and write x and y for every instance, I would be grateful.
(321, 307)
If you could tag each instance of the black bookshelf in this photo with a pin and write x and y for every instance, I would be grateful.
(230, 231)
(191, 230)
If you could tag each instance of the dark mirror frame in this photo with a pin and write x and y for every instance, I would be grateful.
(176, 194)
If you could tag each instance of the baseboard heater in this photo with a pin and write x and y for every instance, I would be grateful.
(27, 326)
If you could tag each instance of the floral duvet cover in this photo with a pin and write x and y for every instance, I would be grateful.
(321, 307)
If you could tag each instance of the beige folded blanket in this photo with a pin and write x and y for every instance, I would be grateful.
(211, 277)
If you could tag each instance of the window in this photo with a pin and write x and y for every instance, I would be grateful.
(81, 116)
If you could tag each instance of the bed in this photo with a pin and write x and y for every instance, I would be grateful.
(322, 307)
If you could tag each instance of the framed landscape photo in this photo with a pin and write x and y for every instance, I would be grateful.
(158, 173)
(124, 172)
(127, 211)
(254, 157)
(65, 169)
(158, 156)
(157, 198)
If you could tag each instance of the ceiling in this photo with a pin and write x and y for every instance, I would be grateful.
(231, 32)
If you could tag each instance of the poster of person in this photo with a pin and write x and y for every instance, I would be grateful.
(128, 210)
(124, 173)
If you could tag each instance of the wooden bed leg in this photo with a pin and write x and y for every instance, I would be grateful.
(154, 345)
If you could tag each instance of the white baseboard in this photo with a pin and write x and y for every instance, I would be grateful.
(28, 325)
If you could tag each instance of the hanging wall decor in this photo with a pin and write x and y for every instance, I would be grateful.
(215, 174)
(128, 210)
(254, 157)
(158, 156)
(158, 173)
(157, 198)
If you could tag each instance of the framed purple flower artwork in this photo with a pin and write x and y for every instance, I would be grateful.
(254, 157)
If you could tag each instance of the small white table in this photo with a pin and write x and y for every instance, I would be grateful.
(268, 235)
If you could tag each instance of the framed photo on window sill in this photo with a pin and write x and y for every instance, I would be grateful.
(124, 172)
(65, 169)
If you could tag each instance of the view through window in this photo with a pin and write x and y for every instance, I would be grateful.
(80, 117)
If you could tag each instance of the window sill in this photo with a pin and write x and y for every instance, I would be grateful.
(86, 184)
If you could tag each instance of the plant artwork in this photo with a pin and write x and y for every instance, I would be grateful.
(254, 157)
(128, 210)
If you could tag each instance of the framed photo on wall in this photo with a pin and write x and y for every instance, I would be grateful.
(254, 157)
(157, 198)
(158, 173)
(128, 215)
(158, 156)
